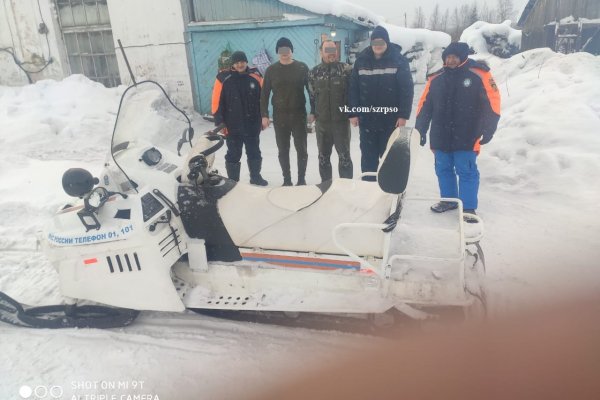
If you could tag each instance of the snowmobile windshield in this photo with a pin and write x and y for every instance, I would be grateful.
(147, 118)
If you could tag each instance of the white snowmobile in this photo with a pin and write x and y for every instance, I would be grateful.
(160, 232)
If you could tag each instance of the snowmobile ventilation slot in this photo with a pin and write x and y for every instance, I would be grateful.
(170, 242)
(124, 262)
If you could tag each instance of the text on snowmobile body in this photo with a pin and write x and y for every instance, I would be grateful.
(98, 237)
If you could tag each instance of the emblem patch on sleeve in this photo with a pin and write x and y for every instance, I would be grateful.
(493, 84)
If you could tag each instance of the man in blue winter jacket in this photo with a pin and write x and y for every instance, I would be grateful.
(380, 97)
(462, 104)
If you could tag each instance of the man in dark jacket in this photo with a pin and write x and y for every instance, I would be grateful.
(287, 79)
(236, 102)
(328, 83)
(381, 86)
(462, 103)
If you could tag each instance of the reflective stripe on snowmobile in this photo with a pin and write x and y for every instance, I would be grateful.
(301, 262)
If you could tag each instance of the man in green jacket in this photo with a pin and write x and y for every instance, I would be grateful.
(328, 83)
(287, 79)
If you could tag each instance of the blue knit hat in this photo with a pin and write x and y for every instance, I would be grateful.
(459, 49)
(380, 33)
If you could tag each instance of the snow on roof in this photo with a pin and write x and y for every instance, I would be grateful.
(526, 9)
(475, 35)
(572, 20)
(339, 8)
(405, 37)
(296, 17)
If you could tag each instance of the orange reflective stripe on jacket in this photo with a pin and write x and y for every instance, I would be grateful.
(425, 93)
(423, 97)
(258, 78)
(216, 95)
(491, 90)
(477, 146)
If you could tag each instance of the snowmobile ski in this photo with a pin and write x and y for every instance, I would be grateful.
(64, 316)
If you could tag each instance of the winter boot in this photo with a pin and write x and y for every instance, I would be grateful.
(255, 178)
(444, 206)
(345, 169)
(467, 216)
(284, 161)
(325, 172)
(233, 170)
(301, 172)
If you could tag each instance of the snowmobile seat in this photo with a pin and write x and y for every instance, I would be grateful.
(302, 219)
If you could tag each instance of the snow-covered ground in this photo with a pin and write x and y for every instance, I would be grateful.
(539, 199)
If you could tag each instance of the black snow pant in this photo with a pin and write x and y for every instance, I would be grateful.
(291, 125)
(329, 134)
(373, 141)
(236, 142)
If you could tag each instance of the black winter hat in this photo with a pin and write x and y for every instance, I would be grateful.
(380, 33)
(459, 49)
(238, 56)
(284, 42)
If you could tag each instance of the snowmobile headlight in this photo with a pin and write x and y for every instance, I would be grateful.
(78, 182)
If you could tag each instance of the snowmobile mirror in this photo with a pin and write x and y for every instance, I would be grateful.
(78, 182)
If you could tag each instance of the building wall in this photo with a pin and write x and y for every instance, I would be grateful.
(546, 11)
(152, 32)
(19, 22)
(209, 41)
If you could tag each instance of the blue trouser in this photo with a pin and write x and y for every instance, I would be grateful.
(461, 164)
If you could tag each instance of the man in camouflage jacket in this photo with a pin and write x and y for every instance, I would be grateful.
(328, 85)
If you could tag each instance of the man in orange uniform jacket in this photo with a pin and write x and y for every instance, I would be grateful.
(236, 102)
(462, 104)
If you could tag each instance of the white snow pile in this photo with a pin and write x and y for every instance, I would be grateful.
(45, 129)
(498, 39)
(548, 138)
(422, 46)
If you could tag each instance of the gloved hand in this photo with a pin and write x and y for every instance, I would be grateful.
(485, 139)
(423, 139)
